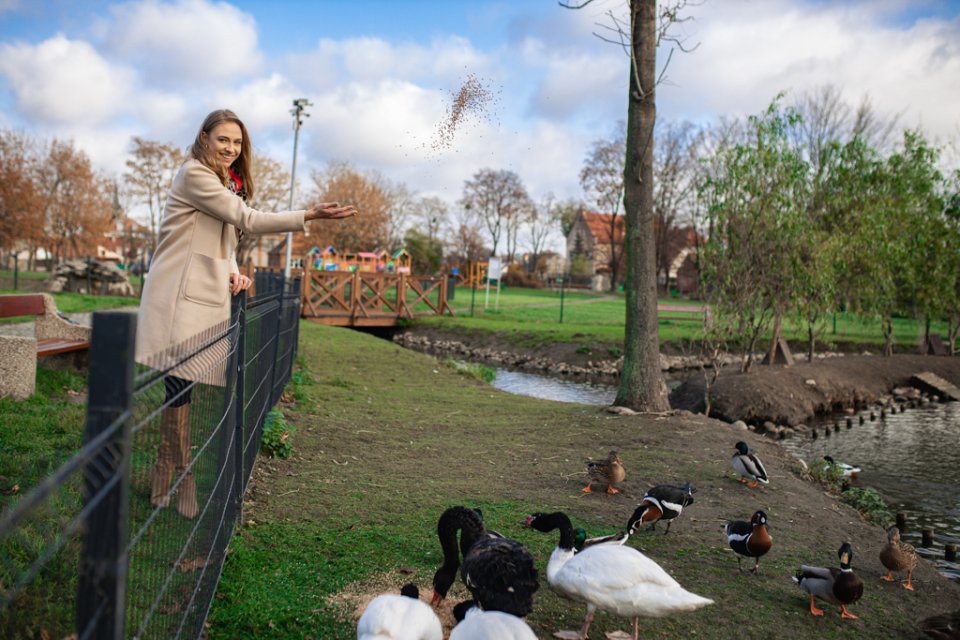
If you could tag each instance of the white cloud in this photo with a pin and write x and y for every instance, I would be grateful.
(64, 81)
(185, 42)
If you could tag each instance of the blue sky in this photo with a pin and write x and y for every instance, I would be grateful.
(381, 75)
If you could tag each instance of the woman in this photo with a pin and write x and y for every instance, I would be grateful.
(193, 273)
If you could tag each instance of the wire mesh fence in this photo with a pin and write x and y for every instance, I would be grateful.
(127, 538)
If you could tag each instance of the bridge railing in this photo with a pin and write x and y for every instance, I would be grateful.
(361, 298)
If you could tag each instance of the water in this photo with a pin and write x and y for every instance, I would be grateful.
(912, 460)
(537, 386)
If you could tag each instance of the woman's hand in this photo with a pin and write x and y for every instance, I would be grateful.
(329, 211)
(239, 282)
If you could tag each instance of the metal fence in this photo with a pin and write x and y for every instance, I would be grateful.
(127, 538)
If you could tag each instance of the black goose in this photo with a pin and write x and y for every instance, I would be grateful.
(662, 502)
(499, 572)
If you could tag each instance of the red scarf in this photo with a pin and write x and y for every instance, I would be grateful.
(236, 179)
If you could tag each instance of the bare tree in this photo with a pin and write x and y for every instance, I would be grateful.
(432, 214)
(340, 182)
(674, 189)
(465, 239)
(496, 197)
(543, 220)
(641, 382)
(602, 180)
(152, 168)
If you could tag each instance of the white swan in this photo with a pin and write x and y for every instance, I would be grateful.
(615, 578)
(491, 625)
(399, 617)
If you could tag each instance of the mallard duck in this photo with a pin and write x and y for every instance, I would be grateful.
(849, 470)
(746, 463)
(615, 578)
(491, 625)
(749, 539)
(898, 556)
(610, 471)
(944, 626)
(837, 586)
(662, 502)
(499, 573)
(399, 617)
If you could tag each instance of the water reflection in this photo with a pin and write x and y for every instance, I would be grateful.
(912, 460)
(530, 384)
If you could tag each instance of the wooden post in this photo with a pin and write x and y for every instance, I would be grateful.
(902, 521)
(926, 537)
(950, 552)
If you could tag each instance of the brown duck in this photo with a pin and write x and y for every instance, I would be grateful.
(898, 556)
(610, 471)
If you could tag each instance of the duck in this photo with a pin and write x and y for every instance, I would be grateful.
(897, 555)
(611, 577)
(662, 502)
(399, 617)
(838, 586)
(478, 624)
(746, 463)
(848, 470)
(943, 626)
(610, 471)
(500, 573)
(749, 539)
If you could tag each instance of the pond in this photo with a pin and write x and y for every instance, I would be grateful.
(912, 458)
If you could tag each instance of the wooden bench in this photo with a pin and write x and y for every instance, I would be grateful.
(688, 312)
(53, 335)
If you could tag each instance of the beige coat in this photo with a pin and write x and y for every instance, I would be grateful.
(187, 289)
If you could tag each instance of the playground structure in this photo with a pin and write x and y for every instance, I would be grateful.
(330, 259)
(472, 274)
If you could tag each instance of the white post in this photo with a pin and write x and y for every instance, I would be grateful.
(299, 105)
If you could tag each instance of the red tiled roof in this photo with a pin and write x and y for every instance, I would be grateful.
(599, 225)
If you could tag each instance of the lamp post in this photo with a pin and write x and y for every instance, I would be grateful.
(298, 112)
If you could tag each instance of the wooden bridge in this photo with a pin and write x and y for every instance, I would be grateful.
(366, 299)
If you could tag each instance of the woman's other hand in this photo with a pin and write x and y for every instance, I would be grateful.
(329, 211)
(239, 282)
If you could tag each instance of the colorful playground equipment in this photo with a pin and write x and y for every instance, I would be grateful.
(330, 259)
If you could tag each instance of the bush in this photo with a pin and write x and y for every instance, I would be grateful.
(520, 278)
(277, 436)
(869, 503)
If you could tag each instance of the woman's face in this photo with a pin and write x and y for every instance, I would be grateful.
(224, 141)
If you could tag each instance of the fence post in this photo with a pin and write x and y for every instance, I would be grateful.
(101, 585)
(238, 313)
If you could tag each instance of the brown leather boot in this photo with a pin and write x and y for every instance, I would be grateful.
(162, 472)
(187, 492)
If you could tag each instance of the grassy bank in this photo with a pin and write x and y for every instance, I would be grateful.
(533, 317)
(386, 439)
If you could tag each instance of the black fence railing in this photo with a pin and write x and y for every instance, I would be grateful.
(127, 538)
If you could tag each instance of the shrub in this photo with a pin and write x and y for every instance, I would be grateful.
(870, 504)
(277, 436)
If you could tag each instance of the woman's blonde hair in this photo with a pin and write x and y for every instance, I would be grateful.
(243, 165)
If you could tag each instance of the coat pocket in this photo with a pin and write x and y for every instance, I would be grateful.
(207, 280)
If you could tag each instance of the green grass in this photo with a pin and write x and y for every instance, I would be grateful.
(532, 318)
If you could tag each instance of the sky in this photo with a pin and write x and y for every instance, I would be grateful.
(382, 75)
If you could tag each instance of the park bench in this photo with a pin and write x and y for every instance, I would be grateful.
(697, 313)
(53, 335)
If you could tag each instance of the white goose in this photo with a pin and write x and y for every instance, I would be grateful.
(491, 625)
(399, 617)
(615, 578)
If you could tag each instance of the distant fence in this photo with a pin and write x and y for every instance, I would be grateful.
(86, 554)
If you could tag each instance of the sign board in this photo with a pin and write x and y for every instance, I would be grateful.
(493, 268)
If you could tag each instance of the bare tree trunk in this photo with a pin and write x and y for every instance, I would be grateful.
(774, 339)
(888, 336)
(641, 382)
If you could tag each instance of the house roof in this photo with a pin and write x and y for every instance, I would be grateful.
(599, 226)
